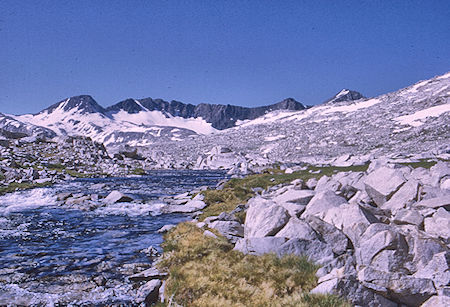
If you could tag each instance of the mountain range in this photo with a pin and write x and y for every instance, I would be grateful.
(412, 120)
(141, 122)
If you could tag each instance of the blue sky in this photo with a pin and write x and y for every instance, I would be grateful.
(248, 53)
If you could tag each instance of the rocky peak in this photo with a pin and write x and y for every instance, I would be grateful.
(84, 103)
(129, 105)
(288, 104)
(345, 95)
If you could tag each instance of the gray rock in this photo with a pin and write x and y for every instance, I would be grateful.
(408, 216)
(445, 184)
(293, 209)
(330, 234)
(383, 183)
(296, 228)
(439, 224)
(316, 251)
(326, 287)
(439, 171)
(397, 286)
(377, 239)
(77, 201)
(347, 215)
(149, 292)
(98, 186)
(436, 202)
(149, 274)
(437, 301)
(189, 207)
(422, 248)
(63, 196)
(321, 203)
(326, 183)
(224, 216)
(259, 246)
(166, 228)
(229, 229)
(405, 196)
(117, 197)
(197, 204)
(264, 218)
(437, 270)
(311, 183)
(300, 197)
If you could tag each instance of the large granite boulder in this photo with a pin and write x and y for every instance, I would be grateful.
(264, 218)
(382, 183)
(321, 203)
(397, 286)
(296, 228)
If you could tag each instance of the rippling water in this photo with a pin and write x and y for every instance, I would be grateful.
(53, 254)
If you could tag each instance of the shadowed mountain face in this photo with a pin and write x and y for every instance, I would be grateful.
(85, 103)
(220, 116)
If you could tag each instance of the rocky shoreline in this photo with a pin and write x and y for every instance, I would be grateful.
(380, 236)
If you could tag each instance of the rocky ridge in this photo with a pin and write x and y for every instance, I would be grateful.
(411, 123)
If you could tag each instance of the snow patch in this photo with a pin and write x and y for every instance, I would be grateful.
(415, 119)
(353, 107)
(274, 138)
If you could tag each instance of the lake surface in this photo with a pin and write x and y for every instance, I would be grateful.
(54, 255)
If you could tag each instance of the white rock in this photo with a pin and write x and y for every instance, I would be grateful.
(439, 224)
(405, 196)
(437, 270)
(301, 197)
(445, 184)
(322, 202)
(435, 202)
(117, 197)
(296, 228)
(326, 287)
(259, 246)
(210, 234)
(166, 228)
(408, 216)
(347, 215)
(383, 183)
(437, 301)
(264, 218)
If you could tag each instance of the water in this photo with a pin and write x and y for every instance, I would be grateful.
(53, 254)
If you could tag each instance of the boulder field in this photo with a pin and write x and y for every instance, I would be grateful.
(381, 237)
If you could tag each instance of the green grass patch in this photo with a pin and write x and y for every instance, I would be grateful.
(15, 186)
(138, 171)
(76, 174)
(239, 190)
(205, 271)
(421, 163)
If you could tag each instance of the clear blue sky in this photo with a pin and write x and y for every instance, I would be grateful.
(247, 53)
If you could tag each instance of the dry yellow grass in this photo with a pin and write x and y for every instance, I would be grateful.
(205, 271)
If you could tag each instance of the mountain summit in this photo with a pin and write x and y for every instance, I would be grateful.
(83, 103)
(345, 95)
